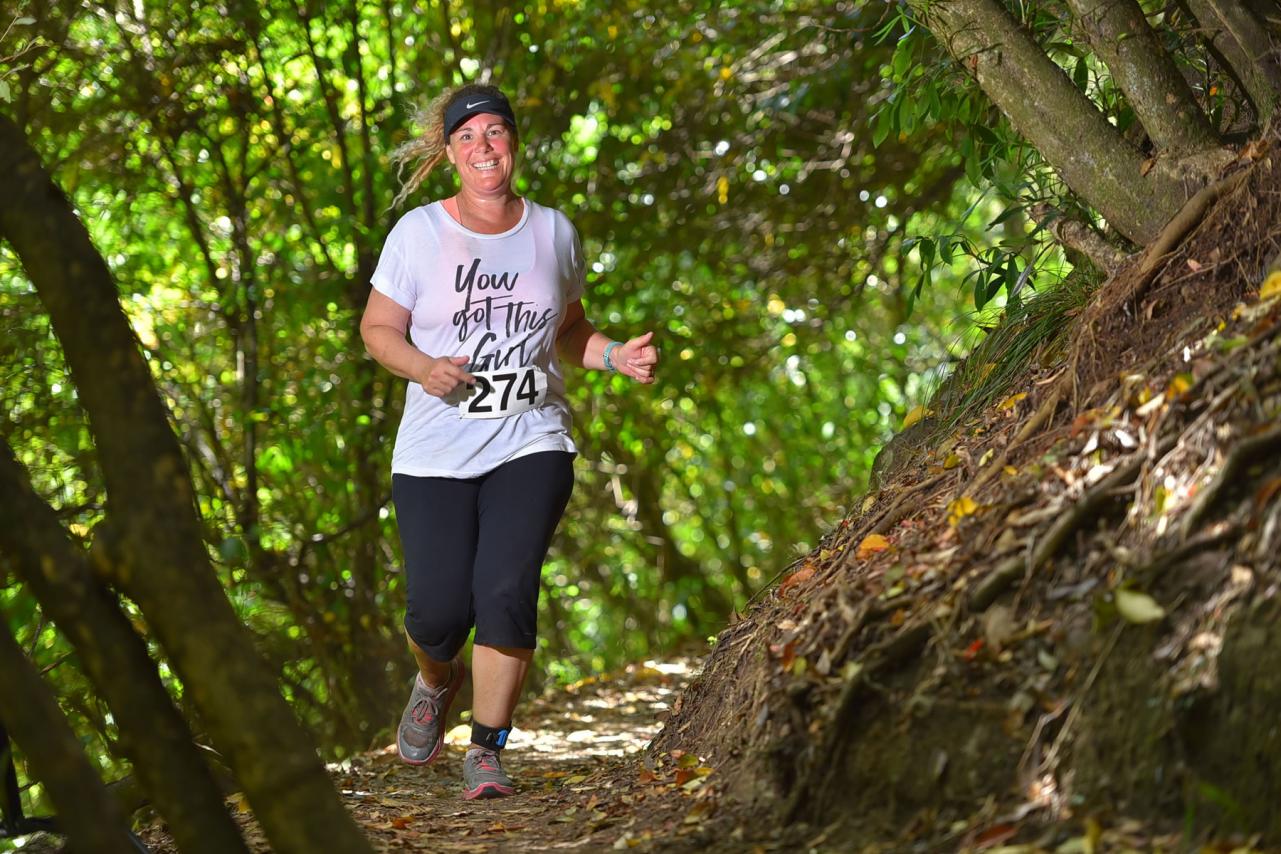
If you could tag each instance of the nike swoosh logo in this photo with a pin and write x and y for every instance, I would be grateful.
(477, 104)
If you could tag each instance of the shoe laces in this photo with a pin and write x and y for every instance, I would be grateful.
(487, 761)
(424, 711)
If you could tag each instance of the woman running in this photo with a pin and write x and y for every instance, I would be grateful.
(488, 286)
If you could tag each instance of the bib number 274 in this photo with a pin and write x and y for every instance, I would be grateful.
(498, 394)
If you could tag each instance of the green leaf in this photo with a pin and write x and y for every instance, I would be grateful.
(925, 249)
(881, 129)
(1138, 607)
(907, 115)
(1006, 214)
(902, 58)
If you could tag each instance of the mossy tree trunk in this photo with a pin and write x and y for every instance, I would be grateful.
(153, 735)
(31, 715)
(161, 560)
(1042, 104)
(1119, 33)
(1242, 41)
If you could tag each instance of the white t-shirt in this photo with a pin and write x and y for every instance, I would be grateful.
(499, 300)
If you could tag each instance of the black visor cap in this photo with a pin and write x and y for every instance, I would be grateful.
(463, 108)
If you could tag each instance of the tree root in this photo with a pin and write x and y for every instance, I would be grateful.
(1188, 217)
(1205, 540)
(1238, 458)
(1000, 579)
(900, 508)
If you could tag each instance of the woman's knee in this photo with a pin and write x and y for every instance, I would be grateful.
(439, 634)
(507, 614)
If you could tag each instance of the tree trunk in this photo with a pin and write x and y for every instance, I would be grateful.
(30, 713)
(163, 564)
(1234, 33)
(1043, 105)
(1120, 34)
(153, 735)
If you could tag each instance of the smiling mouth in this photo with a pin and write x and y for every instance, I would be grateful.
(485, 165)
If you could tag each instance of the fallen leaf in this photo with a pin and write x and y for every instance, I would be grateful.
(1138, 607)
(700, 811)
(1271, 286)
(1179, 384)
(1254, 149)
(1194, 265)
(871, 544)
(786, 652)
(400, 822)
(960, 508)
(994, 835)
(802, 575)
(915, 414)
(1011, 401)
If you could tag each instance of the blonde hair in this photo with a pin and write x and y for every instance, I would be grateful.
(424, 152)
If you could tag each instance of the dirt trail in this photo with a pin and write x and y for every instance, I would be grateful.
(583, 780)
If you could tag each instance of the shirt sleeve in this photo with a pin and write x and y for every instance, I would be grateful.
(393, 277)
(575, 267)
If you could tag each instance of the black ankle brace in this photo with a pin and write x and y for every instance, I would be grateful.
(494, 738)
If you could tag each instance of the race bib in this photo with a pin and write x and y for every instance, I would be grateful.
(498, 394)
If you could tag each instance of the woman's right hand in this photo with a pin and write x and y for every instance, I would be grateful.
(442, 375)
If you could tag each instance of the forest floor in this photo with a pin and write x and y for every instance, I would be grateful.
(584, 783)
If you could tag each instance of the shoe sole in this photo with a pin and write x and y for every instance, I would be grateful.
(488, 790)
(444, 716)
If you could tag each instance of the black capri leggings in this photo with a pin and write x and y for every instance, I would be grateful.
(474, 550)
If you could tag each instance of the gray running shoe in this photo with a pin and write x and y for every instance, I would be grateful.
(483, 775)
(422, 726)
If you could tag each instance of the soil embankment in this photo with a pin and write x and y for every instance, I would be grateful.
(1060, 626)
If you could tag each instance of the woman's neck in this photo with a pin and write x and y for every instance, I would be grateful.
(486, 214)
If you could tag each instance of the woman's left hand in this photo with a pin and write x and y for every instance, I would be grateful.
(636, 358)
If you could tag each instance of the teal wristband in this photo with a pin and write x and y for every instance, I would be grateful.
(609, 364)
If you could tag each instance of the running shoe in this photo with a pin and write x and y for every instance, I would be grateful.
(422, 726)
(483, 775)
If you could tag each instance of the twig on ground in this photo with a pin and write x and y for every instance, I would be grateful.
(999, 580)
(1039, 419)
(1245, 452)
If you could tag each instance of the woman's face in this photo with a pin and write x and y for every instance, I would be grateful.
(483, 150)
